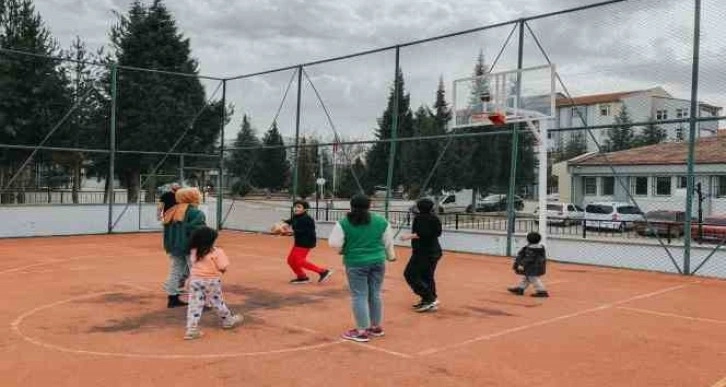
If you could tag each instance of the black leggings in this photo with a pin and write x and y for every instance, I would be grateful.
(419, 274)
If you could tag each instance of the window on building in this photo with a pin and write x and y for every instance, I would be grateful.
(661, 115)
(639, 186)
(590, 186)
(681, 113)
(662, 185)
(608, 186)
(605, 110)
(680, 133)
(578, 111)
(721, 186)
(681, 182)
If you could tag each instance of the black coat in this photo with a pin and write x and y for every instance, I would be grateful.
(533, 259)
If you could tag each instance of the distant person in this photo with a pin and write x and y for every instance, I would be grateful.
(531, 264)
(167, 200)
(426, 254)
(365, 241)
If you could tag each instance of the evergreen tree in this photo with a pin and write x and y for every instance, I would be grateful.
(307, 168)
(347, 186)
(153, 109)
(621, 135)
(651, 134)
(86, 127)
(33, 95)
(273, 165)
(243, 164)
(377, 157)
(576, 146)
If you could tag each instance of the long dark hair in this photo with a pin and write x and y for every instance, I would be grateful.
(203, 240)
(359, 206)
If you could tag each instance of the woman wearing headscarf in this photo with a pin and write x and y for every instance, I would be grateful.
(179, 223)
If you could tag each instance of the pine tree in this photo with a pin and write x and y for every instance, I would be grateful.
(377, 157)
(307, 167)
(153, 109)
(651, 134)
(621, 135)
(33, 94)
(86, 127)
(348, 186)
(243, 163)
(273, 166)
(575, 146)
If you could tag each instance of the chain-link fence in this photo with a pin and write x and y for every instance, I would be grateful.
(634, 173)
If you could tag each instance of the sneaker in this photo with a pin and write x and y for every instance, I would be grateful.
(542, 293)
(234, 320)
(354, 335)
(375, 332)
(192, 334)
(298, 281)
(324, 276)
(427, 306)
(417, 305)
(516, 290)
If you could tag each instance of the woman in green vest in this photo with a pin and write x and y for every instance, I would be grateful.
(365, 241)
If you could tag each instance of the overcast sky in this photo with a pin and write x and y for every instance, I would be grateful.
(628, 46)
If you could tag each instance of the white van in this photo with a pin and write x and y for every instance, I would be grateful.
(612, 215)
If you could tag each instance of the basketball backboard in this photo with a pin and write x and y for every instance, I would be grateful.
(504, 97)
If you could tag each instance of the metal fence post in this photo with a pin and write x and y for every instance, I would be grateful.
(112, 146)
(220, 186)
(515, 149)
(394, 132)
(692, 139)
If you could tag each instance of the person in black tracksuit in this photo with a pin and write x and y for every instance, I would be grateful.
(531, 264)
(421, 268)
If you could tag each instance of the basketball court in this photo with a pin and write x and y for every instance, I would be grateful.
(89, 311)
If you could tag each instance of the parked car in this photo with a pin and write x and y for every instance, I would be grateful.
(714, 230)
(612, 215)
(497, 203)
(563, 213)
(662, 222)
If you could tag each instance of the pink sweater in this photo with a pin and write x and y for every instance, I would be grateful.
(210, 266)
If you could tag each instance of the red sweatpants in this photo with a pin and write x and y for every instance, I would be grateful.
(298, 260)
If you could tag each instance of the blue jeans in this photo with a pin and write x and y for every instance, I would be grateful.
(365, 284)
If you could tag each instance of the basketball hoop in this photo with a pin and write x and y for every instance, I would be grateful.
(498, 118)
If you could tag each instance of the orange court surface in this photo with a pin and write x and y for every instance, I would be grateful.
(90, 311)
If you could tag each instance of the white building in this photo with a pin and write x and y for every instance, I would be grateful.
(654, 176)
(654, 104)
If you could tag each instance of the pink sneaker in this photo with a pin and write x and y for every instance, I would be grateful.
(354, 335)
(375, 332)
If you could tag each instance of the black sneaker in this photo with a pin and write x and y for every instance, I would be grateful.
(516, 290)
(417, 305)
(324, 276)
(298, 281)
(542, 294)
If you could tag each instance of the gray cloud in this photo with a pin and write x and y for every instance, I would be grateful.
(640, 43)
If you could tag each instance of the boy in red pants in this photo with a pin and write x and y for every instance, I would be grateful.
(303, 228)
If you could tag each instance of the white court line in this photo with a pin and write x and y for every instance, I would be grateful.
(72, 259)
(663, 314)
(548, 321)
(720, 383)
(15, 326)
(379, 349)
